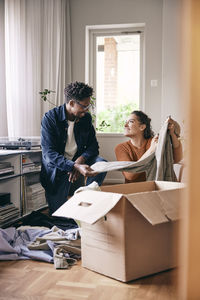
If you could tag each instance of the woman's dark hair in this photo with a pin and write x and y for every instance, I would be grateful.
(144, 119)
(78, 91)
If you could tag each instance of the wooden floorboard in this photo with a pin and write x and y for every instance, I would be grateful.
(27, 279)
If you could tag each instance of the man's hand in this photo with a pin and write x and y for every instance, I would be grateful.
(80, 160)
(81, 168)
(85, 170)
(73, 176)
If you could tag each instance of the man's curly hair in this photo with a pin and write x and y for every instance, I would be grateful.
(78, 91)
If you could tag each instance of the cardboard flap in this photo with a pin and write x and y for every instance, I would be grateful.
(170, 203)
(88, 206)
(168, 185)
(150, 206)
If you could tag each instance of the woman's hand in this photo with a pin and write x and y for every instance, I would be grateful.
(171, 126)
(80, 168)
(151, 149)
(155, 140)
(172, 132)
(85, 170)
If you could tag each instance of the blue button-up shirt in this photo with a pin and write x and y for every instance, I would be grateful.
(53, 140)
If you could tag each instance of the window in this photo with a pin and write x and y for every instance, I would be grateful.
(115, 71)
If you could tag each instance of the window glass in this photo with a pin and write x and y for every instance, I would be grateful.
(117, 80)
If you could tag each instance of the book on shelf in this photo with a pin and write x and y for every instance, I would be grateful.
(7, 207)
(31, 167)
(34, 188)
(6, 168)
(5, 164)
(34, 196)
(7, 171)
(9, 215)
(8, 212)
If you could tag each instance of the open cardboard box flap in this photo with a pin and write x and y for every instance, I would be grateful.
(88, 206)
(158, 206)
(171, 200)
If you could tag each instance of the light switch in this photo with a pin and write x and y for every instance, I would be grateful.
(154, 83)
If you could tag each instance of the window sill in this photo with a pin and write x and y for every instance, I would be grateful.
(108, 135)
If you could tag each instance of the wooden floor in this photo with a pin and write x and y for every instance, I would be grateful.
(35, 280)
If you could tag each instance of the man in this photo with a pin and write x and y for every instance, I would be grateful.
(69, 146)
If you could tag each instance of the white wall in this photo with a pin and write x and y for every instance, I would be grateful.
(95, 12)
(171, 92)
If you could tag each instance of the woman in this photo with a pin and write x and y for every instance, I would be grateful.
(138, 129)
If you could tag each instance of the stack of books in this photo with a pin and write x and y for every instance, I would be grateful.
(31, 167)
(6, 169)
(35, 197)
(8, 211)
(30, 164)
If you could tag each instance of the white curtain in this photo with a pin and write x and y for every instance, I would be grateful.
(3, 113)
(37, 56)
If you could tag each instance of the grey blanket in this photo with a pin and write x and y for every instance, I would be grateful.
(157, 165)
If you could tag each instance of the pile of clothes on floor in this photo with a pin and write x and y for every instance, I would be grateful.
(40, 237)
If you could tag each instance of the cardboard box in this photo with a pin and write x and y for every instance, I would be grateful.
(127, 229)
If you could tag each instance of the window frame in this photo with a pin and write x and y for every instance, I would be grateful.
(94, 31)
